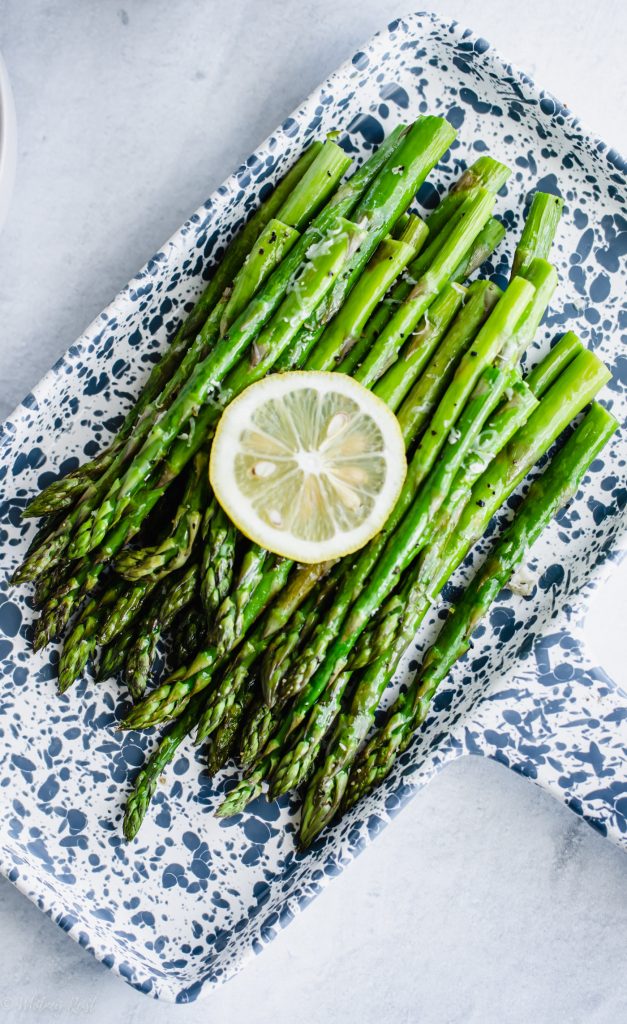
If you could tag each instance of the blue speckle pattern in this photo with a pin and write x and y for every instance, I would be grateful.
(179, 909)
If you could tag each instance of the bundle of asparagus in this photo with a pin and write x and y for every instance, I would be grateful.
(288, 663)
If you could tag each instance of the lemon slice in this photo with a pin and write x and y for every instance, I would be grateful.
(308, 464)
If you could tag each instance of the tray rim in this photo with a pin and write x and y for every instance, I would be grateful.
(53, 907)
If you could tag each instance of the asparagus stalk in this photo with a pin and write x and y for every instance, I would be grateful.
(306, 748)
(390, 258)
(283, 645)
(113, 656)
(382, 204)
(229, 620)
(485, 172)
(80, 645)
(466, 225)
(388, 200)
(399, 622)
(217, 558)
(398, 379)
(224, 738)
(171, 698)
(300, 590)
(546, 496)
(147, 778)
(317, 275)
(289, 601)
(171, 554)
(538, 232)
(130, 601)
(420, 403)
(85, 573)
(174, 594)
(563, 353)
(273, 244)
(493, 336)
(190, 631)
(61, 492)
(315, 187)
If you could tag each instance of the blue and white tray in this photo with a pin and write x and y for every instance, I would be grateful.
(179, 909)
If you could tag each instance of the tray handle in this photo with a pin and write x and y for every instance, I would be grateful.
(561, 722)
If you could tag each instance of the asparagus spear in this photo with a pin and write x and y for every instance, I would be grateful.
(538, 232)
(325, 262)
(147, 778)
(274, 242)
(563, 353)
(276, 617)
(113, 656)
(85, 573)
(305, 749)
(493, 336)
(297, 631)
(485, 172)
(546, 496)
(495, 435)
(173, 552)
(390, 258)
(80, 645)
(420, 403)
(430, 140)
(128, 604)
(78, 528)
(416, 355)
(61, 492)
(228, 622)
(190, 631)
(217, 558)
(223, 739)
(315, 187)
(400, 620)
(173, 696)
(465, 225)
(174, 594)
(380, 207)
(398, 379)
(300, 590)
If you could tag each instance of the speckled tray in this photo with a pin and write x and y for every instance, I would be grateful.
(181, 908)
